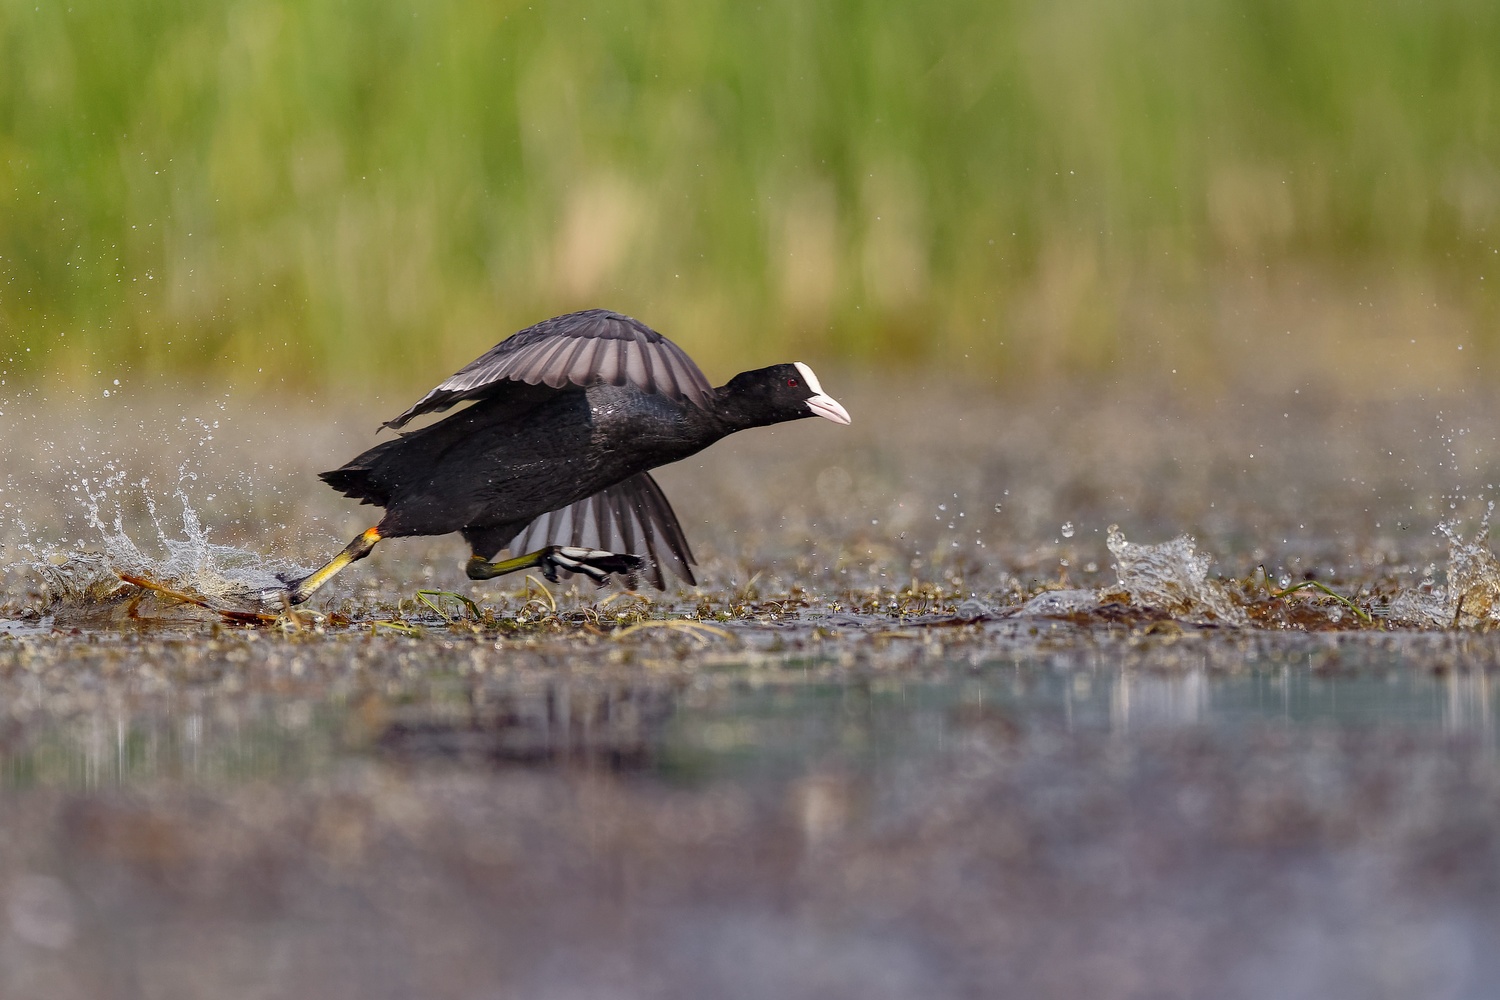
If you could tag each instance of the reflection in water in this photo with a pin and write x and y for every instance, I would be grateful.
(558, 723)
(117, 748)
(719, 727)
(1456, 702)
(1470, 705)
(1182, 699)
(1276, 817)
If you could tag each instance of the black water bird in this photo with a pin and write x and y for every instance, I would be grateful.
(551, 461)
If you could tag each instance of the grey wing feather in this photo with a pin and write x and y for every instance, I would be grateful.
(580, 348)
(608, 364)
(630, 518)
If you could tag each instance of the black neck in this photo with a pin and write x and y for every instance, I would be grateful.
(733, 412)
(729, 409)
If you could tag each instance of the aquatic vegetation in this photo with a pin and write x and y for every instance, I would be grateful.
(902, 535)
(698, 631)
(1323, 588)
(431, 599)
(1166, 581)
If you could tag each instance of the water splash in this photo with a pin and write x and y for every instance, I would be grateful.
(1170, 576)
(186, 559)
(1472, 592)
(77, 578)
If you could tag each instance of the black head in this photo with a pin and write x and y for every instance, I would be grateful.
(781, 392)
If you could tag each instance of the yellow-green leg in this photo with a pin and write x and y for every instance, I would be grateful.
(595, 564)
(353, 552)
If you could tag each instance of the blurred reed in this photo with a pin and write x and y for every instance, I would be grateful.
(324, 191)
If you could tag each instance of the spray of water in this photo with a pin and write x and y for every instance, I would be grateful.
(181, 554)
(1471, 594)
(1171, 576)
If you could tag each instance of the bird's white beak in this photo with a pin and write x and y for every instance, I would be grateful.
(821, 403)
(828, 408)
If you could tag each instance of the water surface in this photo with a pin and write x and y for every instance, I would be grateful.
(928, 727)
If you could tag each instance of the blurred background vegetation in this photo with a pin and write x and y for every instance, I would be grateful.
(328, 191)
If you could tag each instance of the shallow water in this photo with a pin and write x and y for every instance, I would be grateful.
(899, 743)
(767, 714)
(1183, 816)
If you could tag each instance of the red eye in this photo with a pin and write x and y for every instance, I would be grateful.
(791, 381)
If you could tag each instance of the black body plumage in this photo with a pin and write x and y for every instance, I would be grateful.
(568, 417)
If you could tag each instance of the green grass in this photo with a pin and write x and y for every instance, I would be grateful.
(327, 191)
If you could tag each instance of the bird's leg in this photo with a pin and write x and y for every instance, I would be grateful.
(595, 564)
(353, 552)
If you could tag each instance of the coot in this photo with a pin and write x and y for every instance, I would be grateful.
(551, 459)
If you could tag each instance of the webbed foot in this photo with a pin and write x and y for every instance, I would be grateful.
(596, 564)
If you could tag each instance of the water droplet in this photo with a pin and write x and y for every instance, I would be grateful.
(1067, 530)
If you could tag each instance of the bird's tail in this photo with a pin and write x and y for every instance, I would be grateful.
(357, 481)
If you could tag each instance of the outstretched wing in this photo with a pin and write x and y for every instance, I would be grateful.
(580, 348)
(631, 518)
